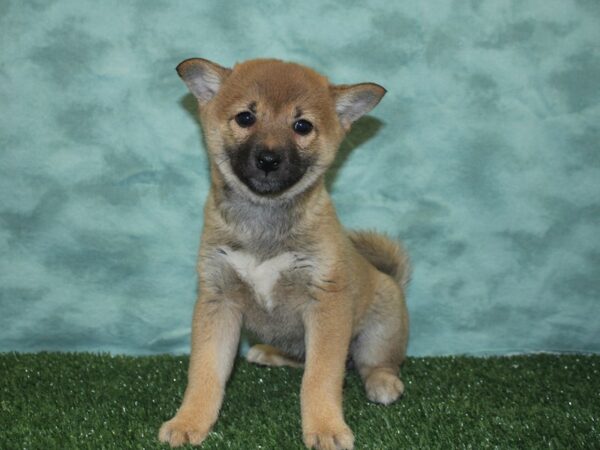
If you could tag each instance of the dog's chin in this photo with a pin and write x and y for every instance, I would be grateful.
(268, 187)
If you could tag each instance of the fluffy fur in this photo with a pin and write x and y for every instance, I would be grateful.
(278, 261)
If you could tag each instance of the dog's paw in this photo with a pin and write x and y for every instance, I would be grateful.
(340, 438)
(383, 387)
(266, 355)
(182, 430)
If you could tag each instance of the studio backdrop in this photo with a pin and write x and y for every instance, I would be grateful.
(483, 158)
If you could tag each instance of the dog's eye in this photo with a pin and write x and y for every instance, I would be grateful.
(303, 127)
(245, 119)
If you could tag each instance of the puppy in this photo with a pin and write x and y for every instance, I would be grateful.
(274, 257)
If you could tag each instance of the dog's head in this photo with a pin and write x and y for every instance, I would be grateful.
(273, 128)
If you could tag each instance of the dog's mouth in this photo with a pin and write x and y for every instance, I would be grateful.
(268, 172)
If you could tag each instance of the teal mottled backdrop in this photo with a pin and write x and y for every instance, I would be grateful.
(484, 158)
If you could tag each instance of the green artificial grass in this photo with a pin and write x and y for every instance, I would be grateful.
(51, 400)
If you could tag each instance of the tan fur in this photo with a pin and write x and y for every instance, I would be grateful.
(282, 265)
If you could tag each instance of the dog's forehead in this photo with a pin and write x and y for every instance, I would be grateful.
(278, 83)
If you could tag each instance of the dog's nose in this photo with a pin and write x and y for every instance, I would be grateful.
(268, 161)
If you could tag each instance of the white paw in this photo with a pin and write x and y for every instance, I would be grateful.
(384, 388)
(334, 439)
(181, 430)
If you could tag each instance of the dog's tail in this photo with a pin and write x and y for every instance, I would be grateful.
(386, 255)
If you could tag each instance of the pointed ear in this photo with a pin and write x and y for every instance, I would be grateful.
(203, 77)
(355, 100)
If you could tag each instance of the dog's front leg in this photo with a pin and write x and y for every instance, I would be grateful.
(215, 336)
(328, 323)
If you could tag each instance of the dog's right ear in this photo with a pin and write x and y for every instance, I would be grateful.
(203, 77)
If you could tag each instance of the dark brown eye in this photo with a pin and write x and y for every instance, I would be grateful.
(303, 127)
(245, 119)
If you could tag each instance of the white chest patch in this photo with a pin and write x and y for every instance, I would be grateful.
(261, 276)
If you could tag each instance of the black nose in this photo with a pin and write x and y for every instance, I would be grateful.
(268, 161)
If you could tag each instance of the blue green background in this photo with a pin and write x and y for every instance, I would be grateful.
(484, 158)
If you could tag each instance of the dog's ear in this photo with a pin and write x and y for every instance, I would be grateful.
(353, 101)
(203, 77)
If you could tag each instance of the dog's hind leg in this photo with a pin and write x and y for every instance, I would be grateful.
(380, 346)
(267, 355)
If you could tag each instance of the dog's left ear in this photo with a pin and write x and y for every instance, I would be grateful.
(355, 100)
(203, 77)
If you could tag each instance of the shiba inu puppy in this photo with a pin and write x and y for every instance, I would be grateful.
(274, 257)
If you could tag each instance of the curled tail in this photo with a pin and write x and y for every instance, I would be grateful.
(386, 255)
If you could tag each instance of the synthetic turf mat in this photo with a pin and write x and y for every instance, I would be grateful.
(52, 400)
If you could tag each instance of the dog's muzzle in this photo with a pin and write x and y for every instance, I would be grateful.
(268, 171)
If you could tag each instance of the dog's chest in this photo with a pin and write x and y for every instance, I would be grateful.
(264, 277)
